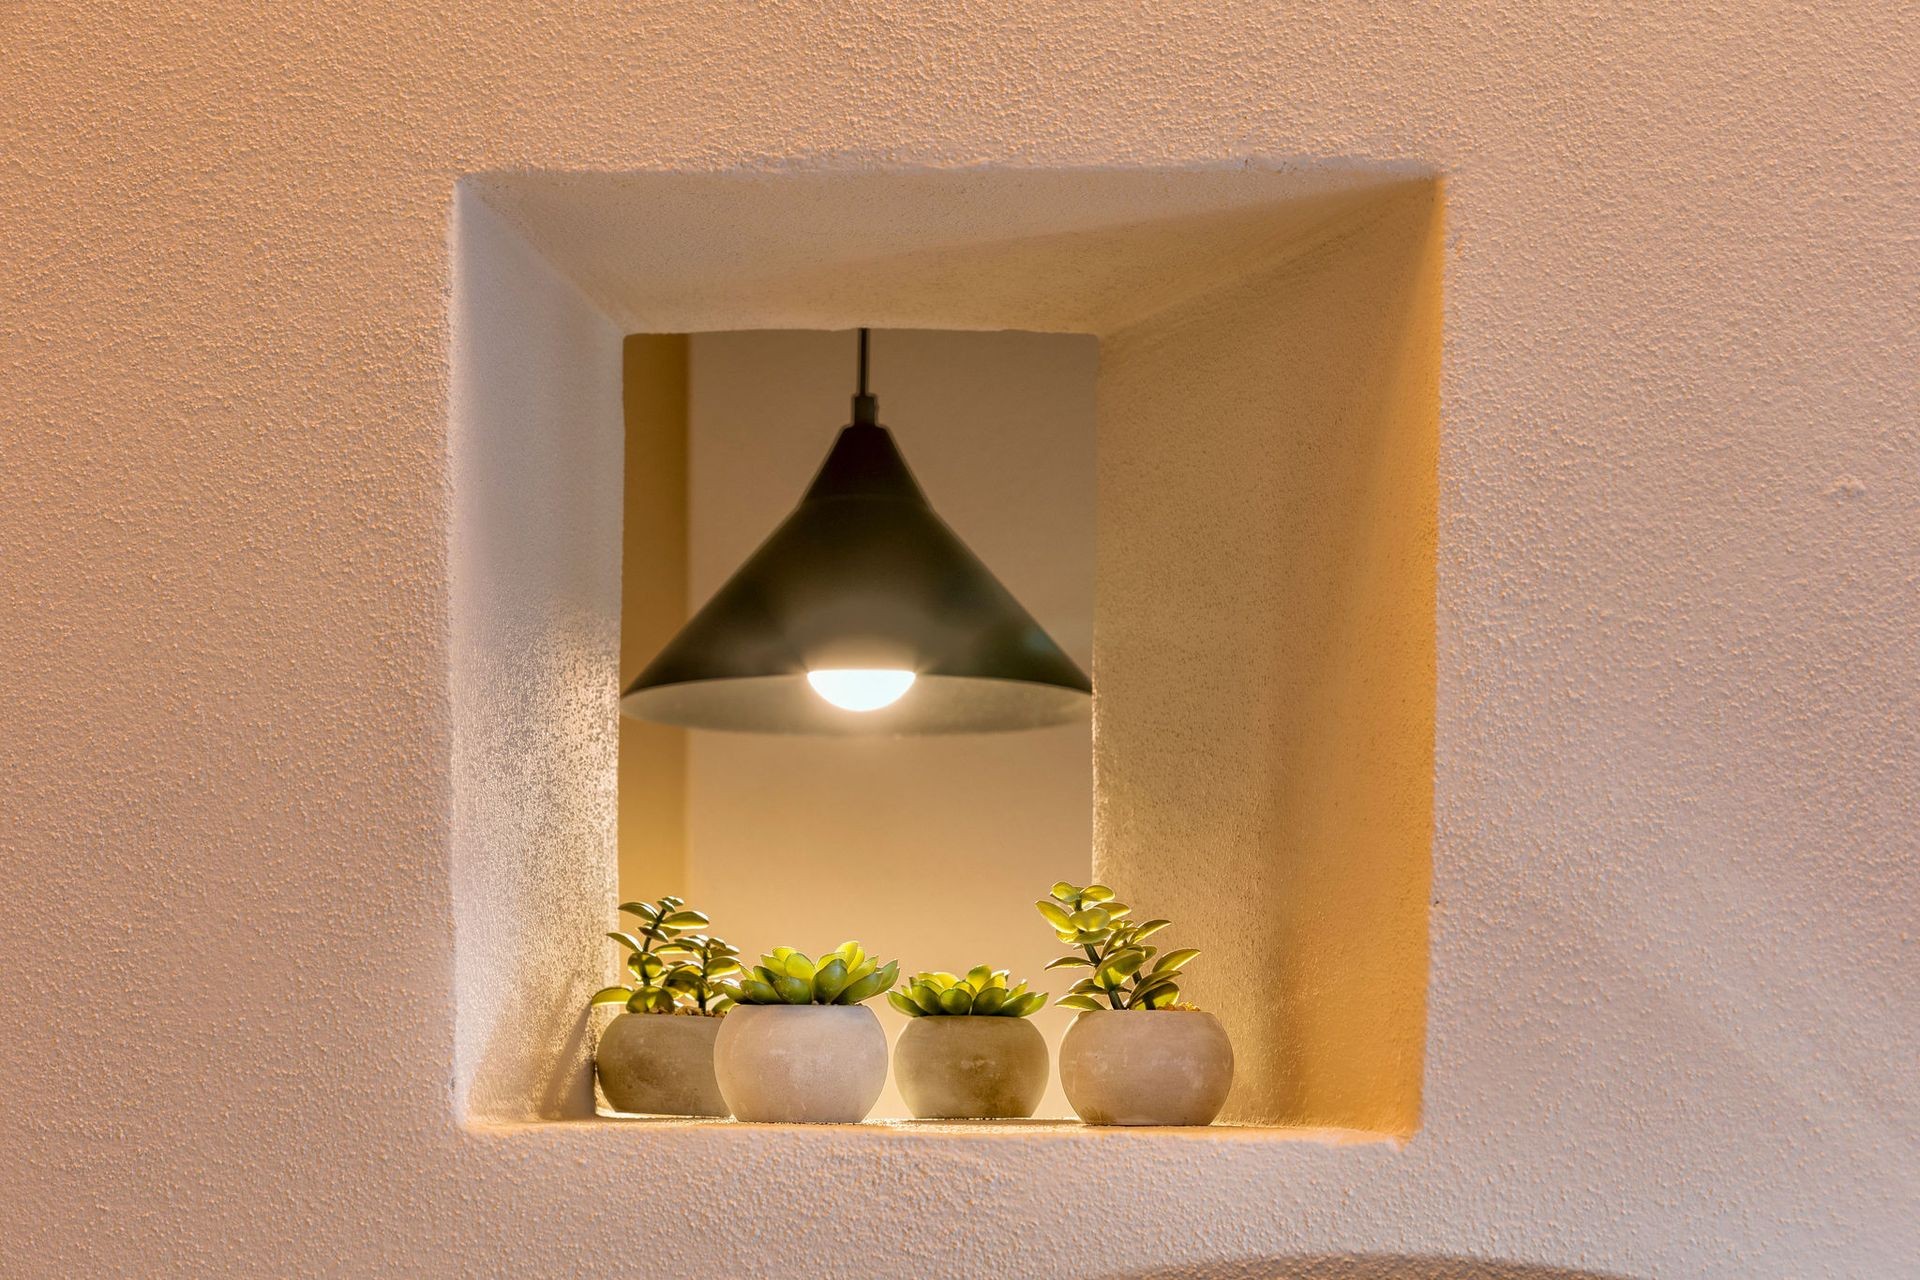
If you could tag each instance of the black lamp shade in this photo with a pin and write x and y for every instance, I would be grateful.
(862, 574)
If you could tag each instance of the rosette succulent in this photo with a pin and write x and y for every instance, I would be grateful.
(673, 968)
(845, 975)
(983, 992)
(1123, 970)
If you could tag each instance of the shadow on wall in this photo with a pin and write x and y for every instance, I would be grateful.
(1362, 1267)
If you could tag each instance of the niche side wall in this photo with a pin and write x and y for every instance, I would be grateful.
(1265, 650)
(535, 585)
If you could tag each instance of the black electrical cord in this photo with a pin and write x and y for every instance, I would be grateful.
(866, 408)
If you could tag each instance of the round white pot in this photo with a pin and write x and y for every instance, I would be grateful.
(660, 1064)
(801, 1063)
(967, 1068)
(1146, 1066)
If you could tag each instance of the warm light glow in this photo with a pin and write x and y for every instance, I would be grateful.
(861, 689)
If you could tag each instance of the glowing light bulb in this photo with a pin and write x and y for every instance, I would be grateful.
(861, 689)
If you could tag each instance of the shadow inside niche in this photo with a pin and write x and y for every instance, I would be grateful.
(1361, 1267)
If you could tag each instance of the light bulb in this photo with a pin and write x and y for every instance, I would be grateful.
(861, 689)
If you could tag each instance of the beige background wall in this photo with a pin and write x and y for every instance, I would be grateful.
(652, 830)
(929, 850)
(1672, 1003)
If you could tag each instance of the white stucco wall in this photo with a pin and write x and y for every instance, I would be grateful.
(1673, 1009)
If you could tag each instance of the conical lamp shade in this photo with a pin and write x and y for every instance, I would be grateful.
(863, 574)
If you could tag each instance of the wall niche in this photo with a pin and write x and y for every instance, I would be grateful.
(1265, 422)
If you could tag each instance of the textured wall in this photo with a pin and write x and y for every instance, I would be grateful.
(1672, 1010)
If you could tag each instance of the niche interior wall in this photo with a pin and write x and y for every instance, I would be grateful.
(1268, 421)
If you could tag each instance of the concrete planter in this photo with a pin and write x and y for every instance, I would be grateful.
(1146, 1066)
(801, 1063)
(967, 1068)
(660, 1064)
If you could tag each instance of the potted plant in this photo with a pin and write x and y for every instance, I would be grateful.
(657, 1057)
(799, 1047)
(969, 1053)
(1136, 1054)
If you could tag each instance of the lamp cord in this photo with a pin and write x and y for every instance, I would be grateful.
(866, 408)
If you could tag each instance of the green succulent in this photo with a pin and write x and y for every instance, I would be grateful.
(1123, 968)
(673, 969)
(982, 993)
(846, 975)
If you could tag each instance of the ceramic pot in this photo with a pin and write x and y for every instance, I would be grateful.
(1146, 1066)
(660, 1064)
(801, 1063)
(966, 1068)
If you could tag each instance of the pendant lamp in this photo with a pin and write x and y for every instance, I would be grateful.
(863, 612)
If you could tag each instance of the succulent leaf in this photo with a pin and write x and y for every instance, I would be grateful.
(1024, 1006)
(611, 995)
(1174, 961)
(830, 980)
(871, 985)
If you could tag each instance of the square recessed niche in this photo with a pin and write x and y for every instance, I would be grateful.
(1266, 416)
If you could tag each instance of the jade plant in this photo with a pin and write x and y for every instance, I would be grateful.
(983, 992)
(846, 975)
(672, 967)
(1124, 970)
